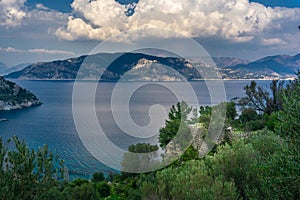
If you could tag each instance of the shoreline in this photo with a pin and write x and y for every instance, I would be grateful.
(113, 81)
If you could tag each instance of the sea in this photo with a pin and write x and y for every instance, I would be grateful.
(53, 123)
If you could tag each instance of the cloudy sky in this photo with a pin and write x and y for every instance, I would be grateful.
(43, 30)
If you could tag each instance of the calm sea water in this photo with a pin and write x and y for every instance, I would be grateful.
(52, 123)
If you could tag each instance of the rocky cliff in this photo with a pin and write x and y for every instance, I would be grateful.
(13, 97)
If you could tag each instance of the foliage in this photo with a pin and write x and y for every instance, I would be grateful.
(248, 114)
(176, 123)
(98, 177)
(141, 157)
(85, 191)
(26, 173)
(262, 165)
(142, 148)
(10, 91)
(260, 99)
(103, 189)
(231, 112)
(205, 115)
(235, 163)
(288, 123)
(277, 167)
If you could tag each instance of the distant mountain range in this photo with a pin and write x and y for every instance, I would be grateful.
(144, 67)
(4, 70)
(279, 66)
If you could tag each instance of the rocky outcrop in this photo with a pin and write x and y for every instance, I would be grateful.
(200, 141)
(13, 97)
(174, 150)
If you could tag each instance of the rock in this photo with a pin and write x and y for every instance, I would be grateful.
(13, 97)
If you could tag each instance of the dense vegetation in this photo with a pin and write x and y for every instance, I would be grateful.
(10, 91)
(12, 96)
(258, 159)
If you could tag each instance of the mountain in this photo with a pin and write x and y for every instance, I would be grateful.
(224, 62)
(8, 70)
(112, 66)
(144, 67)
(279, 66)
(12, 96)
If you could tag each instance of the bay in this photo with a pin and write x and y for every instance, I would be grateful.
(52, 123)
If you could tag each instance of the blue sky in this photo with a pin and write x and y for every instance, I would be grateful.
(64, 5)
(43, 30)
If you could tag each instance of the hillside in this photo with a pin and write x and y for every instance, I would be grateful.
(279, 66)
(12, 96)
(143, 67)
(7, 70)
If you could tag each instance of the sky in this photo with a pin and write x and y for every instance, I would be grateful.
(42, 30)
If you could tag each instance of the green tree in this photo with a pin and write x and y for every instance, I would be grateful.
(98, 177)
(103, 189)
(235, 163)
(288, 123)
(85, 191)
(231, 112)
(260, 99)
(189, 181)
(276, 166)
(176, 123)
(26, 173)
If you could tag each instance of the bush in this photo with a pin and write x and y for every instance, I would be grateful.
(103, 189)
(98, 177)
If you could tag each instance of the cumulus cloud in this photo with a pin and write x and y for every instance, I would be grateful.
(41, 7)
(235, 20)
(14, 13)
(37, 51)
(11, 12)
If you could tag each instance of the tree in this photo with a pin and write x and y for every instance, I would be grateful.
(98, 177)
(85, 191)
(260, 99)
(234, 163)
(26, 173)
(248, 114)
(176, 122)
(231, 112)
(103, 189)
(189, 181)
(288, 123)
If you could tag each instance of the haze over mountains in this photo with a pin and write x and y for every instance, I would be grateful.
(144, 67)
(4, 70)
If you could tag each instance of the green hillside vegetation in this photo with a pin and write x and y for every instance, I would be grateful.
(256, 158)
(12, 96)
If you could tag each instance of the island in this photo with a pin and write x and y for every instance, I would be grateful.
(13, 97)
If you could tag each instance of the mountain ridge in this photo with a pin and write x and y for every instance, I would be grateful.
(113, 66)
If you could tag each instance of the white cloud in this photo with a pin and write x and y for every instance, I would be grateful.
(11, 13)
(235, 20)
(41, 7)
(273, 41)
(14, 13)
(37, 51)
